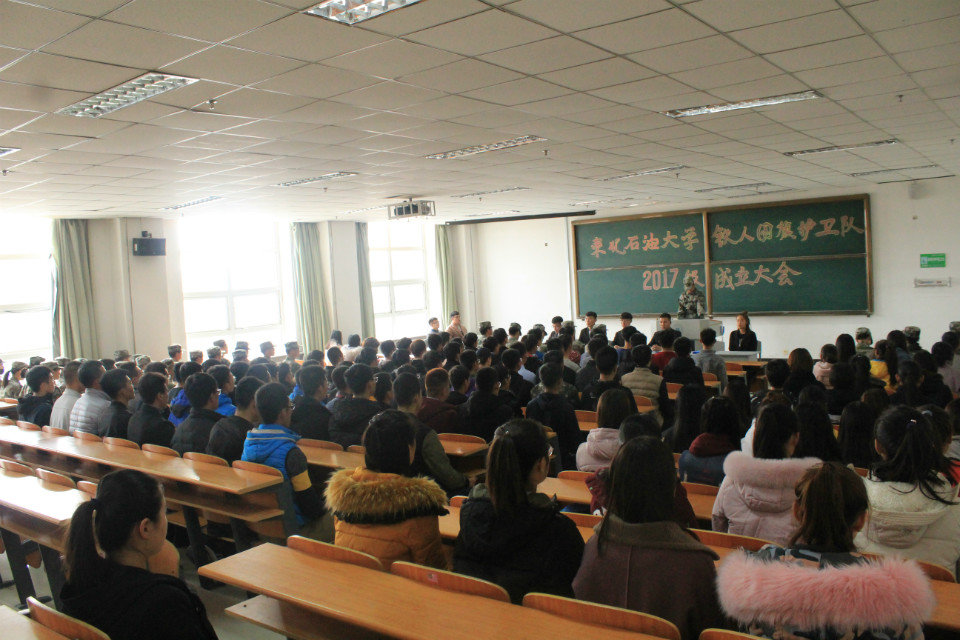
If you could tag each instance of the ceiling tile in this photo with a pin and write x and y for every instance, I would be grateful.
(774, 86)
(570, 15)
(324, 112)
(930, 58)
(317, 81)
(546, 55)
(632, 92)
(194, 94)
(307, 38)
(126, 46)
(29, 27)
(461, 76)
(691, 55)
(598, 74)
(18, 96)
(73, 126)
(392, 59)
(826, 54)
(387, 95)
(422, 16)
(13, 118)
(273, 129)
(565, 105)
(135, 139)
(142, 112)
(447, 107)
(891, 14)
(718, 75)
(801, 32)
(840, 74)
(58, 72)
(920, 36)
(730, 15)
(518, 92)
(229, 64)
(254, 103)
(94, 8)
(647, 32)
(499, 31)
(210, 20)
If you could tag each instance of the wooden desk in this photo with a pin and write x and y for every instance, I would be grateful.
(463, 449)
(20, 627)
(450, 526)
(32, 510)
(332, 459)
(567, 491)
(756, 364)
(702, 506)
(946, 615)
(387, 604)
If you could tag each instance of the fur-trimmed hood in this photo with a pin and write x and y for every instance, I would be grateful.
(361, 496)
(765, 485)
(889, 593)
(900, 513)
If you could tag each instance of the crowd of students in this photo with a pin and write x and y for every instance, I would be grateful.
(782, 474)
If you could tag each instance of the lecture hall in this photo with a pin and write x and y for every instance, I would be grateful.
(443, 319)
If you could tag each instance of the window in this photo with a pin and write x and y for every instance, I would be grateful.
(234, 284)
(401, 268)
(26, 297)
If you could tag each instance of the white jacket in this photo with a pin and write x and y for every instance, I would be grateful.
(903, 521)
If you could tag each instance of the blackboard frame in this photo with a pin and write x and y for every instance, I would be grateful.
(705, 213)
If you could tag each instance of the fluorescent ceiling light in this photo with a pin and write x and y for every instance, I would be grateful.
(192, 203)
(483, 148)
(326, 176)
(764, 193)
(493, 213)
(8, 150)
(137, 90)
(374, 208)
(753, 185)
(486, 193)
(648, 172)
(860, 174)
(354, 11)
(743, 104)
(846, 147)
(587, 203)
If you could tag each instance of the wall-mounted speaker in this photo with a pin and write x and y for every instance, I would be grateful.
(149, 246)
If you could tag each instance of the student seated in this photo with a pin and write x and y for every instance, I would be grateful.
(311, 419)
(914, 511)
(180, 404)
(603, 442)
(352, 414)
(72, 390)
(932, 386)
(484, 411)
(119, 387)
(567, 390)
(459, 384)
(743, 338)
(274, 444)
(682, 369)
(148, 424)
(663, 353)
(194, 432)
(116, 592)
(380, 508)
(607, 360)
(552, 410)
(431, 460)
(225, 382)
(623, 565)
(817, 586)
(816, 434)
(756, 495)
(38, 406)
(686, 418)
(824, 366)
(641, 381)
(707, 359)
(510, 534)
(801, 373)
(90, 407)
(588, 373)
(435, 412)
(229, 433)
(13, 380)
(720, 435)
(776, 372)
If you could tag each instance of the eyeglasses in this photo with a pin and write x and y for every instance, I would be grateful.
(549, 451)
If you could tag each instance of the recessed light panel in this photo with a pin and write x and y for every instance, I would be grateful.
(861, 174)
(477, 194)
(648, 172)
(8, 150)
(483, 148)
(192, 203)
(847, 147)
(354, 11)
(137, 90)
(752, 185)
(326, 176)
(743, 104)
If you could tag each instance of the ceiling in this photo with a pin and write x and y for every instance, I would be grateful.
(298, 96)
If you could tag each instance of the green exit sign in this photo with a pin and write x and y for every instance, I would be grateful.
(929, 260)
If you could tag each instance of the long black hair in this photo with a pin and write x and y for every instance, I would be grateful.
(517, 446)
(816, 434)
(913, 452)
(846, 347)
(387, 441)
(856, 434)
(124, 499)
(686, 419)
(776, 424)
(909, 378)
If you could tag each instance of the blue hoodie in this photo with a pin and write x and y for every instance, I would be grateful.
(269, 444)
(225, 407)
(179, 408)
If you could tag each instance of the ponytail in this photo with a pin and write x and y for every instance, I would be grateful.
(908, 375)
(517, 446)
(913, 453)
(124, 499)
(887, 352)
(831, 497)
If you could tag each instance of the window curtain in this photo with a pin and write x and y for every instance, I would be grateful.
(311, 272)
(74, 323)
(367, 321)
(448, 290)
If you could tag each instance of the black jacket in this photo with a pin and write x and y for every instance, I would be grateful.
(350, 419)
(658, 336)
(535, 549)
(149, 426)
(117, 418)
(134, 604)
(587, 375)
(456, 398)
(194, 432)
(556, 412)
(796, 382)
(482, 413)
(591, 396)
(837, 399)
(743, 342)
(934, 388)
(227, 436)
(311, 419)
(683, 370)
(36, 409)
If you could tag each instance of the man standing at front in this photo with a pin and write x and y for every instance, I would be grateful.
(692, 302)
(455, 329)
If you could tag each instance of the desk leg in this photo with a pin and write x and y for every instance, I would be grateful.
(241, 535)
(18, 565)
(195, 534)
(51, 564)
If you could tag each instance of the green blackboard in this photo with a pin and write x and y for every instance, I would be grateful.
(805, 256)
(799, 285)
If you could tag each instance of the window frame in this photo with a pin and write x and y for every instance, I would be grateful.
(391, 283)
(23, 352)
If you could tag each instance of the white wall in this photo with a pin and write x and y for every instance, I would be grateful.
(525, 268)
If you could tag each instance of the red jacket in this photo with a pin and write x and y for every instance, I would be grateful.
(439, 416)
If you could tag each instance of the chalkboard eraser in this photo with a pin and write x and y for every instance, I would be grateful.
(932, 282)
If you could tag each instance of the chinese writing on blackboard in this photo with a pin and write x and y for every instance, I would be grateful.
(648, 242)
(727, 278)
(784, 230)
